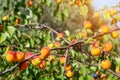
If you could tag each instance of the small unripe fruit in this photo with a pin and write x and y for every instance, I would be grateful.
(36, 60)
(107, 46)
(62, 59)
(51, 57)
(57, 44)
(69, 74)
(87, 24)
(105, 64)
(51, 45)
(20, 56)
(96, 51)
(114, 34)
(45, 52)
(104, 29)
(42, 64)
(10, 56)
(24, 65)
(68, 67)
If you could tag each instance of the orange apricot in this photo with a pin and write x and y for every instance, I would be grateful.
(73, 41)
(24, 65)
(59, 1)
(42, 64)
(10, 56)
(103, 76)
(62, 59)
(29, 3)
(95, 51)
(20, 56)
(71, 3)
(36, 60)
(87, 24)
(5, 18)
(68, 67)
(45, 51)
(69, 74)
(114, 34)
(105, 64)
(104, 29)
(107, 46)
(17, 21)
(60, 35)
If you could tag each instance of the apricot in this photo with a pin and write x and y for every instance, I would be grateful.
(5, 18)
(68, 67)
(96, 14)
(24, 65)
(42, 64)
(10, 56)
(84, 34)
(95, 51)
(60, 35)
(71, 3)
(36, 60)
(29, 3)
(45, 52)
(113, 12)
(51, 58)
(103, 76)
(105, 64)
(114, 34)
(104, 29)
(57, 44)
(87, 24)
(69, 74)
(20, 56)
(117, 70)
(73, 41)
(28, 54)
(51, 45)
(17, 21)
(59, 1)
(62, 59)
(107, 46)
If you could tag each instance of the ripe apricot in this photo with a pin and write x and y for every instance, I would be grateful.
(51, 45)
(62, 59)
(5, 18)
(36, 60)
(105, 64)
(87, 24)
(69, 74)
(107, 46)
(28, 54)
(59, 1)
(17, 21)
(78, 2)
(24, 65)
(68, 67)
(96, 14)
(10, 56)
(73, 41)
(114, 34)
(95, 51)
(60, 35)
(45, 52)
(104, 29)
(42, 64)
(29, 3)
(20, 56)
(71, 3)
(103, 76)
(113, 12)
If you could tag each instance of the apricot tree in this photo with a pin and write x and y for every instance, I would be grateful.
(32, 50)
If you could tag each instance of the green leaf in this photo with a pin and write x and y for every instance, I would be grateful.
(47, 37)
(83, 10)
(67, 32)
(48, 2)
(32, 42)
(2, 37)
(65, 12)
(11, 30)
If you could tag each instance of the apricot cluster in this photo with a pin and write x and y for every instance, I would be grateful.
(68, 69)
